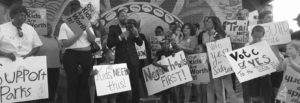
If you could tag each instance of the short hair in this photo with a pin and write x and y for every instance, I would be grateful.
(258, 28)
(173, 24)
(262, 15)
(159, 27)
(16, 9)
(120, 11)
(196, 25)
(132, 21)
(192, 28)
(295, 44)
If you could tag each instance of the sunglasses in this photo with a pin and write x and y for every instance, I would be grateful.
(20, 33)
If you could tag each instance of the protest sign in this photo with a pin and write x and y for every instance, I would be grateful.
(199, 68)
(155, 44)
(141, 51)
(237, 30)
(253, 61)
(289, 91)
(216, 53)
(54, 8)
(157, 80)
(80, 20)
(275, 33)
(112, 79)
(37, 18)
(23, 79)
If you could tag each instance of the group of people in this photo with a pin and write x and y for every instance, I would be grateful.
(73, 51)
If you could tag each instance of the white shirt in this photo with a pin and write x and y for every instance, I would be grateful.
(10, 42)
(66, 33)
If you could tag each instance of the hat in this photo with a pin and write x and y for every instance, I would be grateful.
(298, 17)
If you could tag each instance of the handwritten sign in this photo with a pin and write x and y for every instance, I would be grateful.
(37, 18)
(290, 86)
(199, 68)
(216, 52)
(276, 33)
(237, 30)
(141, 51)
(155, 44)
(80, 20)
(112, 79)
(23, 79)
(54, 8)
(253, 61)
(158, 80)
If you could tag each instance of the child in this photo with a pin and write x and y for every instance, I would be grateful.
(109, 58)
(293, 59)
(161, 54)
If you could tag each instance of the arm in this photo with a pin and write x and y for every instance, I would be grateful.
(137, 37)
(90, 35)
(66, 42)
(11, 56)
(191, 48)
(113, 37)
(164, 67)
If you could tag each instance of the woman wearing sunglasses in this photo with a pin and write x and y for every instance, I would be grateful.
(18, 39)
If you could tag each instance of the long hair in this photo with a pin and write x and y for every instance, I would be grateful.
(217, 26)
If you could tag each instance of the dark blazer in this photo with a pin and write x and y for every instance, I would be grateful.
(125, 49)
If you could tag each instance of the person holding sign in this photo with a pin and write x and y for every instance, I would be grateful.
(214, 31)
(77, 53)
(124, 36)
(188, 45)
(18, 39)
(251, 88)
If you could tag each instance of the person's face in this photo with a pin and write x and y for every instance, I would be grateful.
(257, 36)
(187, 30)
(158, 32)
(209, 24)
(291, 51)
(165, 45)
(20, 18)
(122, 17)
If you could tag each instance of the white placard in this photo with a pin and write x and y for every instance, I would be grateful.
(37, 18)
(141, 51)
(112, 79)
(237, 30)
(23, 79)
(199, 68)
(158, 80)
(216, 53)
(275, 33)
(253, 61)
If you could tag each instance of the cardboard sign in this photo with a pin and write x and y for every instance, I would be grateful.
(80, 20)
(112, 79)
(289, 91)
(23, 79)
(141, 51)
(275, 33)
(253, 61)
(37, 19)
(158, 80)
(237, 30)
(199, 68)
(155, 44)
(216, 53)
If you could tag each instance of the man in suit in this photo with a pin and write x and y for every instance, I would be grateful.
(124, 36)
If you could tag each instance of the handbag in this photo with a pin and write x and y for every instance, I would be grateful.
(94, 47)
